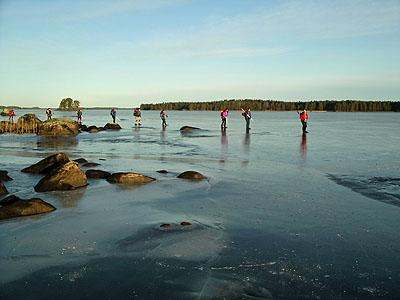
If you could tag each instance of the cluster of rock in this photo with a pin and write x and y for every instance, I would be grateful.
(94, 129)
(29, 123)
(61, 174)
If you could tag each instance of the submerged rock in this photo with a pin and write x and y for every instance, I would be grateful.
(162, 171)
(129, 178)
(90, 164)
(4, 176)
(63, 126)
(47, 164)
(3, 189)
(112, 126)
(188, 129)
(66, 177)
(186, 223)
(94, 129)
(80, 160)
(192, 175)
(12, 207)
(97, 174)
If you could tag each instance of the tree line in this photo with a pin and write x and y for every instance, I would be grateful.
(272, 105)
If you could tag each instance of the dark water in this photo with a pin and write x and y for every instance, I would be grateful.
(280, 216)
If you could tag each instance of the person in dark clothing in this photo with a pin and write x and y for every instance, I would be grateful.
(49, 113)
(79, 116)
(246, 113)
(113, 114)
(163, 117)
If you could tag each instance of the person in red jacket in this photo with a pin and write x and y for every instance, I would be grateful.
(304, 120)
(11, 117)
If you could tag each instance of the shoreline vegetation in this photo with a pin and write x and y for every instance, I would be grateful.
(255, 105)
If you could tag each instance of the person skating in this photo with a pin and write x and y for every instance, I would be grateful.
(304, 119)
(49, 113)
(246, 113)
(11, 116)
(138, 116)
(113, 114)
(224, 117)
(163, 117)
(79, 116)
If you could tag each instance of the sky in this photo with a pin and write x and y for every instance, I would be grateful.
(124, 53)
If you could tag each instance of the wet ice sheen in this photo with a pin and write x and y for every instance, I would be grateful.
(280, 216)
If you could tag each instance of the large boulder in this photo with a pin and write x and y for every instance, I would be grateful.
(97, 174)
(4, 176)
(62, 126)
(129, 178)
(3, 189)
(66, 177)
(188, 129)
(12, 207)
(28, 123)
(112, 126)
(47, 164)
(192, 175)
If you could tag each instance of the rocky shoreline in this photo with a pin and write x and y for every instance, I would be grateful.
(62, 174)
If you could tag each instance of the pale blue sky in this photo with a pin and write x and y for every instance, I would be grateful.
(123, 53)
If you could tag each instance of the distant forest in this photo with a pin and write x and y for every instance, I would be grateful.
(343, 106)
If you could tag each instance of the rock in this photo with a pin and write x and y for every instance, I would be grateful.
(66, 177)
(162, 171)
(112, 126)
(165, 225)
(83, 127)
(5, 112)
(185, 223)
(3, 189)
(94, 129)
(97, 174)
(12, 207)
(90, 165)
(192, 175)
(80, 160)
(188, 129)
(46, 165)
(102, 159)
(28, 123)
(4, 176)
(62, 126)
(129, 178)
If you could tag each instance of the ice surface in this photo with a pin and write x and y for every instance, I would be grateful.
(280, 215)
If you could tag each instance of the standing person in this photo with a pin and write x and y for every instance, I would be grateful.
(113, 114)
(224, 117)
(49, 113)
(138, 116)
(79, 116)
(11, 116)
(246, 113)
(163, 117)
(304, 119)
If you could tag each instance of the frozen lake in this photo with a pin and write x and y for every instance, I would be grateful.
(280, 216)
